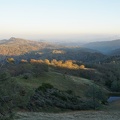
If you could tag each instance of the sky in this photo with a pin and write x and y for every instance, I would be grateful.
(80, 20)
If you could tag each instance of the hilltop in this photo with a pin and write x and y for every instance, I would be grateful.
(18, 46)
(27, 49)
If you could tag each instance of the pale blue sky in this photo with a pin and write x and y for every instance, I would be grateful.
(63, 19)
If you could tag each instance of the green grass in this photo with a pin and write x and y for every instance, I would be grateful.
(76, 84)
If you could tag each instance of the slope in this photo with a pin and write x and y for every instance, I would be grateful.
(18, 46)
(78, 85)
(115, 52)
(104, 46)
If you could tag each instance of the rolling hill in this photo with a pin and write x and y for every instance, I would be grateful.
(77, 84)
(26, 49)
(78, 54)
(18, 46)
(104, 46)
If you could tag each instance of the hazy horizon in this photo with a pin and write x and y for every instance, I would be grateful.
(60, 20)
(67, 38)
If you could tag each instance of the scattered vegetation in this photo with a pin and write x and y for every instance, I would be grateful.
(55, 79)
(47, 97)
(70, 64)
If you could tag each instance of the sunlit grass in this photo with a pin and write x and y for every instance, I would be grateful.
(62, 82)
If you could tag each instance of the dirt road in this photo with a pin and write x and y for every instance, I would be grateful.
(81, 115)
(112, 112)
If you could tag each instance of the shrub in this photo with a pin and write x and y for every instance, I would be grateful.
(47, 97)
(27, 76)
(4, 76)
(44, 87)
(82, 66)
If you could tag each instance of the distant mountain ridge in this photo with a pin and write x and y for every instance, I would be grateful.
(18, 46)
(3, 41)
(104, 46)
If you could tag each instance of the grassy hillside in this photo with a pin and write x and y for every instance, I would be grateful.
(76, 84)
(23, 85)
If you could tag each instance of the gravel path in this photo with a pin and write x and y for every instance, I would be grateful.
(79, 115)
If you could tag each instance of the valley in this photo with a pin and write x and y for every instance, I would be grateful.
(56, 81)
(60, 60)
